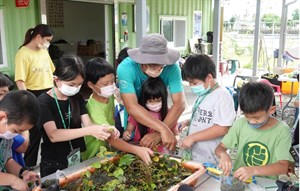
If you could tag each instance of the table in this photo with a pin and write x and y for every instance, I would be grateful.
(206, 182)
(284, 78)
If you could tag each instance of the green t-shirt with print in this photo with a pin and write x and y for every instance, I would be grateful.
(258, 147)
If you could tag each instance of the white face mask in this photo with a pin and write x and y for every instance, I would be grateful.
(44, 46)
(153, 73)
(155, 107)
(8, 134)
(69, 90)
(107, 91)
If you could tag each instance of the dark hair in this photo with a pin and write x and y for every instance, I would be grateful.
(68, 67)
(122, 55)
(255, 96)
(153, 88)
(6, 81)
(97, 68)
(198, 66)
(40, 29)
(21, 106)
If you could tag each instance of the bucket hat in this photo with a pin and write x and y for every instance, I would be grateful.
(154, 50)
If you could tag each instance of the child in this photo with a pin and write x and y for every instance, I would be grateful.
(154, 98)
(262, 142)
(63, 115)
(20, 143)
(213, 112)
(100, 77)
(19, 111)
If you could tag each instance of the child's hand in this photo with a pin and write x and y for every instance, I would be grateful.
(113, 131)
(127, 135)
(183, 124)
(144, 154)
(225, 164)
(103, 132)
(186, 143)
(19, 184)
(244, 173)
(118, 96)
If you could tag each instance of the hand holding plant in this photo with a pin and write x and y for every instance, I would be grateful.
(225, 164)
(244, 173)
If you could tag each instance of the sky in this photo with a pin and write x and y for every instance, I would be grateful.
(248, 7)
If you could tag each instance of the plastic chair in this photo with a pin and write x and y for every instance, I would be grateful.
(277, 87)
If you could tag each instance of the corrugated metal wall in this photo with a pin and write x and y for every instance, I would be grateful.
(181, 8)
(173, 8)
(17, 21)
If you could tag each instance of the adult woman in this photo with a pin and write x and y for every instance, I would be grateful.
(34, 72)
(63, 114)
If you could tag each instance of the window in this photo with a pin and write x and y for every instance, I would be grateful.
(3, 58)
(174, 29)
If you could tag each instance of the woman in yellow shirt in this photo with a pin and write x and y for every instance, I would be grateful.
(34, 72)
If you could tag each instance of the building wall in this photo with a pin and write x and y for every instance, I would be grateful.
(17, 21)
(172, 8)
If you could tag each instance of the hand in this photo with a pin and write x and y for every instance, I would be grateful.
(225, 164)
(244, 173)
(186, 143)
(291, 169)
(115, 133)
(150, 140)
(30, 176)
(127, 135)
(144, 154)
(118, 96)
(100, 132)
(168, 139)
(19, 184)
(183, 124)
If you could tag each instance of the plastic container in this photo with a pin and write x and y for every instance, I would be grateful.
(286, 87)
(228, 183)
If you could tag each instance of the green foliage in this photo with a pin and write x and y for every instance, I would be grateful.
(295, 15)
(271, 18)
(131, 174)
(102, 151)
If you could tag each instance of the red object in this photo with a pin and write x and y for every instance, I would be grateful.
(278, 89)
(22, 3)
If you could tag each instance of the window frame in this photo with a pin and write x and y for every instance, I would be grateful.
(174, 19)
(3, 62)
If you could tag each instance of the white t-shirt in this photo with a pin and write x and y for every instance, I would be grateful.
(216, 108)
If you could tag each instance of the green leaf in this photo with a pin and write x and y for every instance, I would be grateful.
(118, 172)
(96, 165)
(126, 160)
(88, 174)
(101, 152)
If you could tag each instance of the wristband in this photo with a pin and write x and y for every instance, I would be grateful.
(22, 170)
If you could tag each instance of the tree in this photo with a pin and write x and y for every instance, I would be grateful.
(270, 18)
(295, 14)
(232, 21)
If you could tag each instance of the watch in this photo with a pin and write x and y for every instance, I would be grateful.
(22, 170)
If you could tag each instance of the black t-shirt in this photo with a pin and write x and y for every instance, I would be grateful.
(49, 112)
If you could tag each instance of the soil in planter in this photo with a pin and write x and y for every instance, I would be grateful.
(131, 174)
